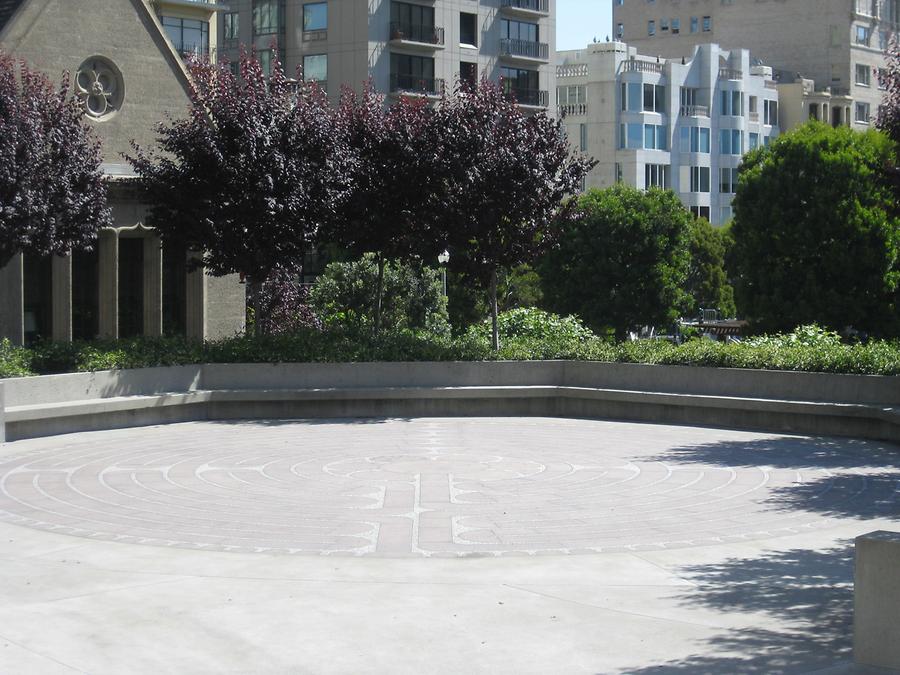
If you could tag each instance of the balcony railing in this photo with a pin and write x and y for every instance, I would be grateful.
(542, 6)
(412, 32)
(526, 48)
(571, 109)
(187, 51)
(635, 66)
(414, 84)
(769, 84)
(535, 97)
(572, 70)
(694, 111)
(315, 35)
(754, 116)
(730, 74)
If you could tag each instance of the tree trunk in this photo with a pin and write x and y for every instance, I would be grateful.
(379, 293)
(495, 334)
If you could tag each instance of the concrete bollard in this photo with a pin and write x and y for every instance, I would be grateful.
(876, 622)
(2, 416)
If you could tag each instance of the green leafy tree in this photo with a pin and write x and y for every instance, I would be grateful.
(345, 296)
(623, 260)
(707, 284)
(816, 238)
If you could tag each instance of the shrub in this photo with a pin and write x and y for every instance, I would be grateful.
(530, 323)
(344, 297)
(14, 361)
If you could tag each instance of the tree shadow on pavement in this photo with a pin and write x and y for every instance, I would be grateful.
(842, 477)
(804, 603)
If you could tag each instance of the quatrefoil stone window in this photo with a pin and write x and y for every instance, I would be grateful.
(100, 88)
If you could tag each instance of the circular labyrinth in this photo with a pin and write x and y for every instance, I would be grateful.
(440, 486)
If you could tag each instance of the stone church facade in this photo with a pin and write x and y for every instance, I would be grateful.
(129, 76)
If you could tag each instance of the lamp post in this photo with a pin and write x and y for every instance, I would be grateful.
(443, 259)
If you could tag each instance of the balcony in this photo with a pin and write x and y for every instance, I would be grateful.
(571, 109)
(572, 70)
(416, 85)
(635, 66)
(754, 116)
(525, 49)
(730, 74)
(417, 35)
(531, 7)
(536, 98)
(315, 35)
(694, 111)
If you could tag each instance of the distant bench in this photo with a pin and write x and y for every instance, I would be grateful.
(808, 403)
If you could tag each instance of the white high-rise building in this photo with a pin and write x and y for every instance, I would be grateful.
(682, 124)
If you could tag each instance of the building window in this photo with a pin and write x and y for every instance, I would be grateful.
(315, 16)
(732, 103)
(707, 24)
(726, 213)
(654, 98)
(651, 28)
(863, 75)
(754, 140)
(618, 176)
(620, 30)
(315, 67)
(882, 78)
(676, 26)
(863, 34)
(770, 112)
(752, 104)
(664, 24)
(699, 179)
(655, 137)
(694, 139)
(412, 73)
(232, 25)
(631, 136)
(695, 24)
(518, 30)
(728, 182)
(468, 73)
(731, 142)
(468, 29)
(583, 137)
(189, 36)
(700, 212)
(862, 113)
(268, 16)
(632, 96)
(656, 175)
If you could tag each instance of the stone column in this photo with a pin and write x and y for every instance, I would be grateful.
(12, 301)
(61, 322)
(195, 304)
(153, 289)
(109, 283)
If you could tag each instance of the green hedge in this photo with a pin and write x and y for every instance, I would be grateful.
(875, 358)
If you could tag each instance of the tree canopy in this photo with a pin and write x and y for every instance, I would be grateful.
(816, 238)
(623, 260)
(52, 191)
(506, 176)
(707, 284)
(248, 177)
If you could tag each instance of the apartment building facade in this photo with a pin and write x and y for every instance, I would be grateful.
(417, 47)
(681, 124)
(837, 45)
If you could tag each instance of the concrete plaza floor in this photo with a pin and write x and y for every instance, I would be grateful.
(502, 545)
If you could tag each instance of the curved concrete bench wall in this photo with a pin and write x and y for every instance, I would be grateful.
(812, 403)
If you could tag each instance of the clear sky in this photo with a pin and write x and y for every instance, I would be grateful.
(580, 21)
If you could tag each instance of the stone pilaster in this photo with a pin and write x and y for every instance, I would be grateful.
(195, 303)
(153, 289)
(61, 322)
(12, 298)
(109, 283)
